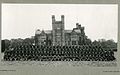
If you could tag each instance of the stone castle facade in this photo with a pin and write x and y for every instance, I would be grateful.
(59, 36)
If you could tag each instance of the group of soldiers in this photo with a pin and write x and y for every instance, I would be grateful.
(59, 53)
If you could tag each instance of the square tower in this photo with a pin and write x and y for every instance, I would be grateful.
(58, 31)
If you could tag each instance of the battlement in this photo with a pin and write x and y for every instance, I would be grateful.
(54, 20)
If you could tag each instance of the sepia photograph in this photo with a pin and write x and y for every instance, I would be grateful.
(59, 34)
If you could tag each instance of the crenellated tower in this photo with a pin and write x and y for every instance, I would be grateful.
(58, 31)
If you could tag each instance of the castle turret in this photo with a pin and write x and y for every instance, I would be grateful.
(53, 18)
(53, 29)
(63, 32)
(62, 18)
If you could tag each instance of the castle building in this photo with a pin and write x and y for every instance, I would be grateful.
(59, 36)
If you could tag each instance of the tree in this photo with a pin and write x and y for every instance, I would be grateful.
(28, 41)
(107, 43)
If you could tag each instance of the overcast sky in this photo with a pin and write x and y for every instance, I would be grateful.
(21, 20)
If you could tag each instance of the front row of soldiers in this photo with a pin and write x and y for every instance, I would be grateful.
(59, 53)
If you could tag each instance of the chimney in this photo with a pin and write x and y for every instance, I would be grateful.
(77, 25)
